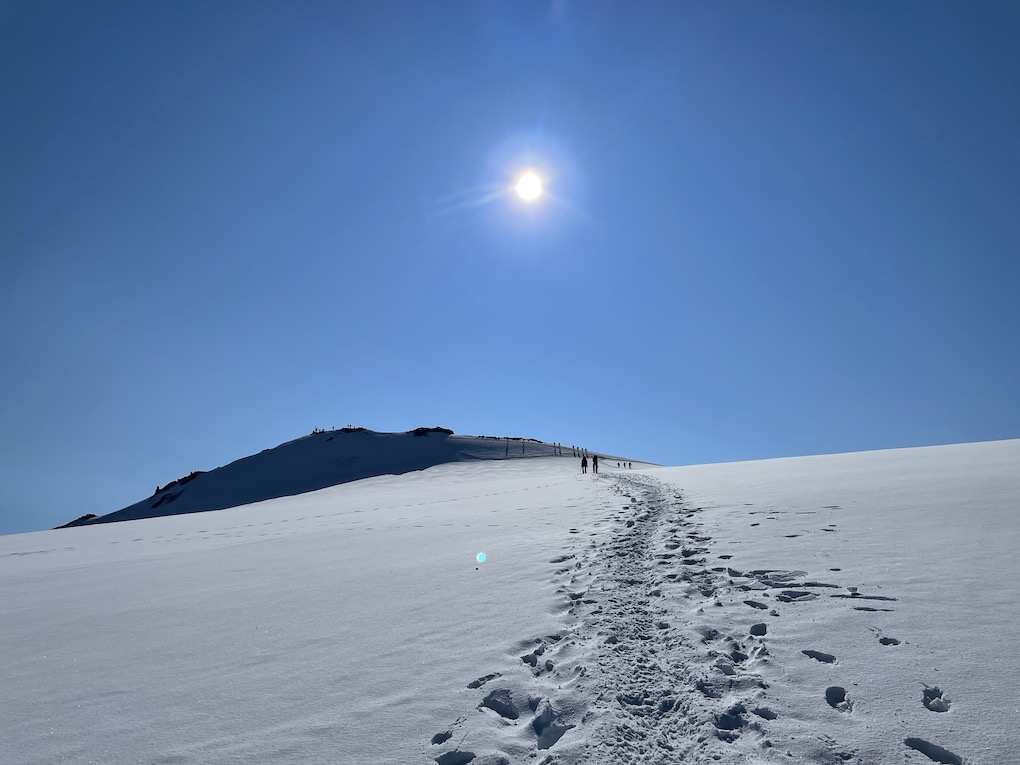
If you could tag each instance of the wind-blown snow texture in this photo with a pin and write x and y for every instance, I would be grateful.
(852, 608)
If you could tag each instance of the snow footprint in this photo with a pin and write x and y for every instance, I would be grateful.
(933, 699)
(501, 702)
(534, 659)
(836, 698)
(547, 725)
(729, 723)
(483, 680)
(825, 658)
(456, 757)
(933, 752)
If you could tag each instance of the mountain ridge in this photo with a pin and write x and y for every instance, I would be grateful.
(321, 459)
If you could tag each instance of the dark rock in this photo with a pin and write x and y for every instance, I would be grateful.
(419, 432)
(79, 521)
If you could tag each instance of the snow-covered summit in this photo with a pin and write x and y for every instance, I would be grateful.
(321, 459)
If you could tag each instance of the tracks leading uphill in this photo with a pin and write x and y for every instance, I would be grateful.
(637, 674)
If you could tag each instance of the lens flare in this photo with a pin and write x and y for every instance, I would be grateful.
(480, 557)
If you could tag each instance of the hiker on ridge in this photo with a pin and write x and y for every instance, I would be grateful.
(595, 463)
(584, 464)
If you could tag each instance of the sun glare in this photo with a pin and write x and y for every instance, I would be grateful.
(529, 186)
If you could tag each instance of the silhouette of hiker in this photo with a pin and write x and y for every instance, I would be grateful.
(595, 463)
(584, 464)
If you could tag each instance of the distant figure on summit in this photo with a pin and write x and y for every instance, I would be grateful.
(595, 463)
(584, 464)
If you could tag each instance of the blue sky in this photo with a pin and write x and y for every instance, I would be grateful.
(770, 229)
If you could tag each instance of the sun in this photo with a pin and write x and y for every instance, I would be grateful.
(529, 186)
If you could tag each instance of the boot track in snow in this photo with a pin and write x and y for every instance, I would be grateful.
(637, 674)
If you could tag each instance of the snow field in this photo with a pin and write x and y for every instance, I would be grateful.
(845, 609)
(329, 627)
(842, 609)
(934, 532)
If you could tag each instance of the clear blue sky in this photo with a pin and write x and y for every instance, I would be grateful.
(771, 229)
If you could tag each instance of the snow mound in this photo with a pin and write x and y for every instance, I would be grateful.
(323, 458)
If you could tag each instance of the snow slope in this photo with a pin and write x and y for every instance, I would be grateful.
(611, 621)
(324, 458)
